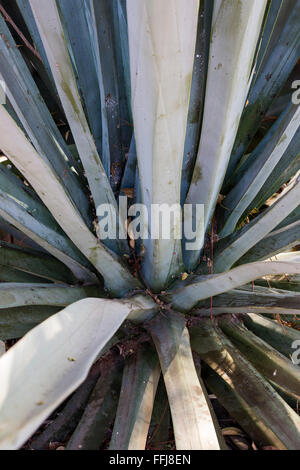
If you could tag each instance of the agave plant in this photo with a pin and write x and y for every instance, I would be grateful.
(167, 102)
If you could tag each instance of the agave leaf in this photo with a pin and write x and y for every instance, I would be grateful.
(160, 419)
(275, 19)
(66, 420)
(281, 282)
(47, 186)
(30, 216)
(274, 243)
(292, 256)
(238, 408)
(184, 296)
(37, 120)
(22, 16)
(191, 416)
(196, 104)
(260, 300)
(28, 17)
(13, 275)
(266, 155)
(100, 410)
(48, 238)
(288, 398)
(32, 383)
(281, 173)
(13, 183)
(237, 244)
(279, 422)
(128, 179)
(267, 360)
(8, 232)
(293, 217)
(15, 322)
(101, 17)
(36, 263)
(123, 73)
(235, 32)
(157, 34)
(269, 83)
(271, 28)
(286, 168)
(140, 379)
(55, 295)
(43, 64)
(80, 42)
(124, 46)
(287, 283)
(50, 28)
(198, 366)
(277, 335)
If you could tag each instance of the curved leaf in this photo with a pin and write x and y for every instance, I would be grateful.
(185, 297)
(32, 384)
(274, 243)
(260, 300)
